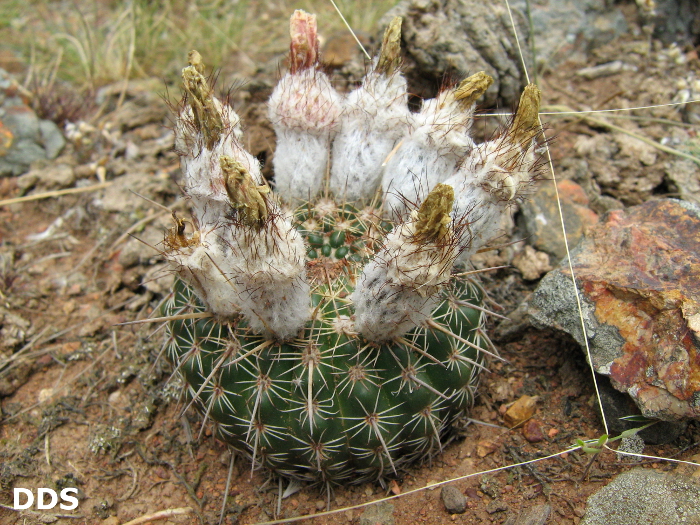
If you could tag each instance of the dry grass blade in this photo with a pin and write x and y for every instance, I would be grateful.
(161, 515)
(583, 115)
(57, 193)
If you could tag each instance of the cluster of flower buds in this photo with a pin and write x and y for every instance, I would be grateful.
(445, 192)
(244, 256)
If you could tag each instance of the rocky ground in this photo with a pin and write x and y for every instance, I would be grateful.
(87, 402)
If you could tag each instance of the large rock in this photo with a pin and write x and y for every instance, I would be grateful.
(638, 272)
(645, 496)
(460, 37)
(465, 36)
(570, 29)
(676, 21)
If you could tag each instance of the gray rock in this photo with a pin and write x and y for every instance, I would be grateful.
(379, 514)
(139, 250)
(455, 502)
(537, 515)
(685, 176)
(645, 496)
(119, 197)
(676, 21)
(50, 176)
(460, 37)
(14, 330)
(496, 506)
(531, 263)
(51, 138)
(19, 157)
(618, 405)
(565, 29)
(540, 217)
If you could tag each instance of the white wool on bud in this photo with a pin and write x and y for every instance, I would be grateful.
(398, 289)
(268, 268)
(200, 148)
(385, 310)
(496, 175)
(375, 118)
(429, 153)
(305, 113)
(203, 180)
(486, 186)
(197, 266)
(186, 139)
(376, 115)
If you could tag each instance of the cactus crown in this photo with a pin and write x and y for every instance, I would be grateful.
(331, 338)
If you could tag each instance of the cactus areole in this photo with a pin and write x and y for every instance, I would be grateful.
(330, 327)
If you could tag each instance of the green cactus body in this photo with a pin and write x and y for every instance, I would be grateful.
(339, 339)
(328, 405)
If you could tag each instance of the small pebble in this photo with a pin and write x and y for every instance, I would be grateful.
(532, 431)
(453, 499)
(496, 506)
(520, 411)
(537, 515)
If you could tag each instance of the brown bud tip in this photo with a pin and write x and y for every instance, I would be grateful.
(471, 88)
(390, 55)
(205, 116)
(195, 60)
(176, 239)
(434, 214)
(526, 121)
(243, 193)
(303, 51)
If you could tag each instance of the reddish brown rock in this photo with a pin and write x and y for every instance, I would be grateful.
(532, 431)
(639, 277)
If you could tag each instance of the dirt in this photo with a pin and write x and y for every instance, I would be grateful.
(87, 402)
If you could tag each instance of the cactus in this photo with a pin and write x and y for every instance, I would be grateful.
(330, 338)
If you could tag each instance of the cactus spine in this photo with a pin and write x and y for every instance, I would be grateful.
(327, 342)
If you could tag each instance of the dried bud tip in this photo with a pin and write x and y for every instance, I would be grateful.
(390, 54)
(195, 60)
(303, 51)
(244, 195)
(471, 88)
(175, 238)
(205, 116)
(526, 121)
(433, 217)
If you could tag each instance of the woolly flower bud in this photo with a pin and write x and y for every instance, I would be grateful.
(496, 174)
(205, 130)
(398, 289)
(430, 152)
(305, 111)
(375, 117)
(267, 267)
